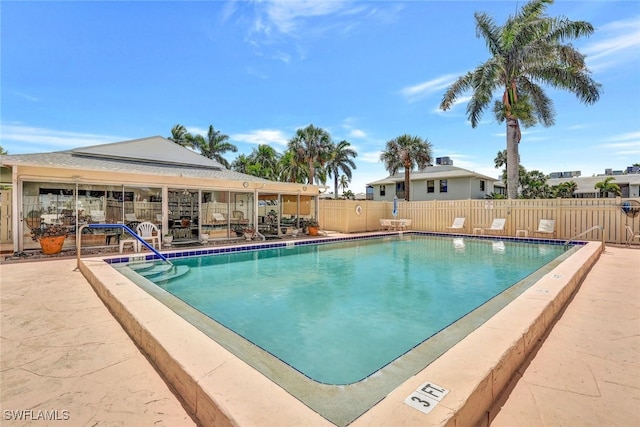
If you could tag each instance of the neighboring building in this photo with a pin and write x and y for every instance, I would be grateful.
(441, 182)
(628, 181)
(150, 179)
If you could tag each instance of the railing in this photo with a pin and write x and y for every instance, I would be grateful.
(595, 227)
(124, 227)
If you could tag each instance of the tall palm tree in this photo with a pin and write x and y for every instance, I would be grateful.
(215, 146)
(528, 49)
(241, 164)
(291, 169)
(406, 152)
(311, 147)
(341, 159)
(180, 136)
(606, 186)
(267, 158)
(344, 183)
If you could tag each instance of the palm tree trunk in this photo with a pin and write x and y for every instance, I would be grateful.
(407, 180)
(513, 159)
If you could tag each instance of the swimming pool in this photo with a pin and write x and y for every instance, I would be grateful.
(387, 287)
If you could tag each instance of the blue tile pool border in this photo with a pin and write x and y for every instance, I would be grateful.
(190, 252)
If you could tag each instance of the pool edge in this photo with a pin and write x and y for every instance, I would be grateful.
(218, 389)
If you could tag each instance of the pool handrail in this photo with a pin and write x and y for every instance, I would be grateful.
(595, 227)
(124, 227)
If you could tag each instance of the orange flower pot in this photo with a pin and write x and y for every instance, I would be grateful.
(52, 245)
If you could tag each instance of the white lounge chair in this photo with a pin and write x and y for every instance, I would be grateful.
(458, 224)
(546, 227)
(218, 218)
(98, 217)
(131, 217)
(497, 227)
(146, 230)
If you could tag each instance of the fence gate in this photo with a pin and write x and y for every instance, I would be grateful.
(5, 216)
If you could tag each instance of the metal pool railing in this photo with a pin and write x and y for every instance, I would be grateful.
(595, 227)
(122, 226)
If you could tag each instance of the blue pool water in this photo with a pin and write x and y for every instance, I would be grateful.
(339, 312)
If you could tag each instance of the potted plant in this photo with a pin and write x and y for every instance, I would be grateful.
(167, 239)
(312, 226)
(238, 229)
(34, 219)
(249, 233)
(51, 237)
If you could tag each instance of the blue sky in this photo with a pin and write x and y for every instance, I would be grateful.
(81, 73)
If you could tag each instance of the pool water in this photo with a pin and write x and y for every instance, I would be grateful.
(339, 312)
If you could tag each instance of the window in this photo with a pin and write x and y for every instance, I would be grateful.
(443, 185)
(482, 185)
(382, 190)
(400, 190)
(431, 186)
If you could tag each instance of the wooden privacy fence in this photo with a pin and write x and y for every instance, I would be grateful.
(572, 216)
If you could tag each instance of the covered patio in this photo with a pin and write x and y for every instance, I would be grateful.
(188, 197)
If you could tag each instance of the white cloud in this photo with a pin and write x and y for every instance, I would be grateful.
(463, 100)
(618, 44)
(370, 157)
(262, 136)
(280, 22)
(625, 136)
(357, 133)
(421, 90)
(287, 16)
(19, 138)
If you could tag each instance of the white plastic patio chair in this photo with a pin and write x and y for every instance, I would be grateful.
(546, 227)
(146, 230)
(497, 226)
(458, 224)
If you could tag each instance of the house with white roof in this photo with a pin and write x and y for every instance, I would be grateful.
(439, 182)
(145, 180)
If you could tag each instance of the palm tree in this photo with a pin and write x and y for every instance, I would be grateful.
(291, 170)
(606, 186)
(344, 183)
(341, 159)
(267, 159)
(311, 147)
(528, 49)
(406, 152)
(214, 146)
(564, 190)
(501, 160)
(180, 136)
(241, 164)
(534, 186)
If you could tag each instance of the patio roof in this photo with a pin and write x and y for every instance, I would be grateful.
(150, 156)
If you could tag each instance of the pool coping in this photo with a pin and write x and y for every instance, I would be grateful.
(217, 387)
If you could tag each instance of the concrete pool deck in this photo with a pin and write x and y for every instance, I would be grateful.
(62, 350)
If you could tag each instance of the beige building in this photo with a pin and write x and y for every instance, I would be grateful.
(440, 182)
(153, 180)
